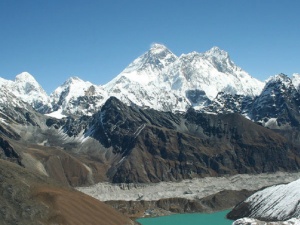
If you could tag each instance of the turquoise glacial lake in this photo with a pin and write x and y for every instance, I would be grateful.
(218, 218)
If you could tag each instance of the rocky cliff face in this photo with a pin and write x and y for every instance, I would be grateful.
(278, 104)
(153, 146)
(123, 143)
(174, 147)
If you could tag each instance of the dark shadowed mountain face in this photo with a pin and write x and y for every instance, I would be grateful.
(163, 146)
(278, 104)
(153, 146)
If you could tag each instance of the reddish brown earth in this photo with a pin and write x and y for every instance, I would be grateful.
(73, 207)
(27, 197)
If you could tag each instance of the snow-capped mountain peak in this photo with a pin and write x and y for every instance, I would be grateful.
(220, 59)
(77, 97)
(145, 68)
(211, 72)
(71, 88)
(26, 84)
(157, 79)
(157, 48)
(160, 71)
(27, 89)
(157, 58)
(25, 77)
(73, 79)
(280, 81)
(277, 105)
(217, 53)
(279, 78)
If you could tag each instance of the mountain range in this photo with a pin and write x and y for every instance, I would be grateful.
(187, 110)
(209, 82)
(163, 118)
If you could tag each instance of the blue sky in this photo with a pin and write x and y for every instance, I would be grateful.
(97, 39)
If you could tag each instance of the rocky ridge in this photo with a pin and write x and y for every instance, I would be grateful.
(175, 146)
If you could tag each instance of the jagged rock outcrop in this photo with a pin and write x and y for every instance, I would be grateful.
(8, 153)
(278, 104)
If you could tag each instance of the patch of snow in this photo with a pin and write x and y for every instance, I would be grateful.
(43, 143)
(139, 130)
(56, 114)
(270, 122)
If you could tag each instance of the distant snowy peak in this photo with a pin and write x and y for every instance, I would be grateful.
(192, 79)
(147, 67)
(217, 53)
(158, 50)
(26, 77)
(73, 87)
(27, 89)
(280, 79)
(278, 85)
(220, 59)
(77, 97)
(27, 85)
(278, 104)
(211, 72)
(158, 56)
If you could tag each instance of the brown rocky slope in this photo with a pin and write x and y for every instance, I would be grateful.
(29, 198)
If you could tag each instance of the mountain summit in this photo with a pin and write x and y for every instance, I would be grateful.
(25, 88)
(77, 97)
(147, 67)
(161, 80)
